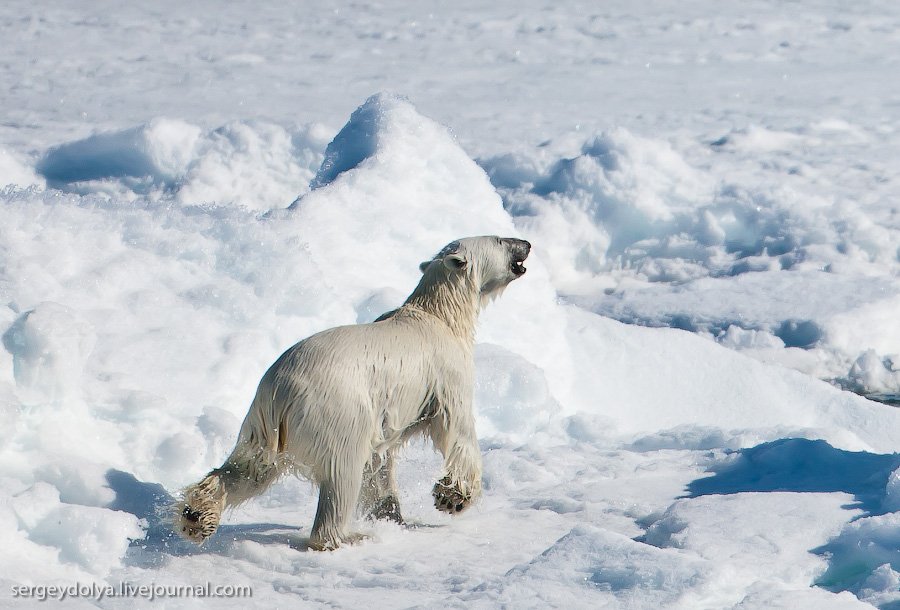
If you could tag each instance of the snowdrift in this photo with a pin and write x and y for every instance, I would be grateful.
(634, 231)
(254, 164)
(146, 294)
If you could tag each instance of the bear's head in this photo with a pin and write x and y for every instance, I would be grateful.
(487, 263)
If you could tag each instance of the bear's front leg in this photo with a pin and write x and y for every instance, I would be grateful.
(454, 436)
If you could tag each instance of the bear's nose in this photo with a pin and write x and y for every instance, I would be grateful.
(521, 244)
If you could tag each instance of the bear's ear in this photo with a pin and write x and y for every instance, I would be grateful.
(424, 265)
(455, 262)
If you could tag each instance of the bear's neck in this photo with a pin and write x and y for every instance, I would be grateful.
(454, 302)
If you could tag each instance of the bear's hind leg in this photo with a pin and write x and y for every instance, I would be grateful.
(246, 473)
(338, 494)
(379, 497)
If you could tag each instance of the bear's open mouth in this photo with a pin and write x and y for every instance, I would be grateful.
(518, 250)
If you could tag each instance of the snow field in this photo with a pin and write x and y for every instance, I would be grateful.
(113, 365)
(158, 250)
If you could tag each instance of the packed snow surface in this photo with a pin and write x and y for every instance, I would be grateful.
(672, 403)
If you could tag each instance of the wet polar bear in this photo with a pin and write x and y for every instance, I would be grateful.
(336, 406)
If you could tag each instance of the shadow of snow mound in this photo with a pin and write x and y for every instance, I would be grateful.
(888, 399)
(771, 499)
(802, 465)
(148, 501)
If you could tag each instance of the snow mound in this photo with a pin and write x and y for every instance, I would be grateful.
(647, 380)
(655, 217)
(513, 395)
(95, 539)
(865, 560)
(411, 184)
(84, 539)
(159, 150)
(593, 567)
(49, 345)
(13, 171)
(753, 543)
(254, 164)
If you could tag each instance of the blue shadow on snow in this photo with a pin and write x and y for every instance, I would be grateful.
(151, 502)
(803, 465)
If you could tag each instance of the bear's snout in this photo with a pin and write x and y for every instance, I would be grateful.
(518, 250)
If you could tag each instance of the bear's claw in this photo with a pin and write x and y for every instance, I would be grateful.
(197, 526)
(449, 498)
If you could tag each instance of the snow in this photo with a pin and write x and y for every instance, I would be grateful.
(14, 171)
(255, 164)
(671, 403)
(656, 241)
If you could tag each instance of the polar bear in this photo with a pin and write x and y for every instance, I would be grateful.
(336, 406)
